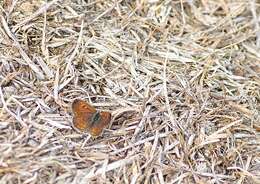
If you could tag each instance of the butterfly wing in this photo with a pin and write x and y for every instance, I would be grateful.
(98, 126)
(83, 112)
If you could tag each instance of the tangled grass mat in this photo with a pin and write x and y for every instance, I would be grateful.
(181, 79)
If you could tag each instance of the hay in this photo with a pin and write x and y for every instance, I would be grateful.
(181, 79)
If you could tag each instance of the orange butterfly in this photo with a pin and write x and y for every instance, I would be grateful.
(87, 118)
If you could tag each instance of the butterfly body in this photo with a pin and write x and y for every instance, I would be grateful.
(87, 118)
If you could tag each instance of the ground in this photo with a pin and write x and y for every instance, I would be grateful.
(181, 79)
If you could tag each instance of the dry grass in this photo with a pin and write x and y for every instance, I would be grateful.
(181, 79)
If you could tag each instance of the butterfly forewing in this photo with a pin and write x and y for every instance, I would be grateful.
(83, 112)
(80, 106)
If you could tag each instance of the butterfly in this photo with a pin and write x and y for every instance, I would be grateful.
(88, 119)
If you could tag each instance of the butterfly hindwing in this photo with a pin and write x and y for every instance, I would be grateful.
(98, 126)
